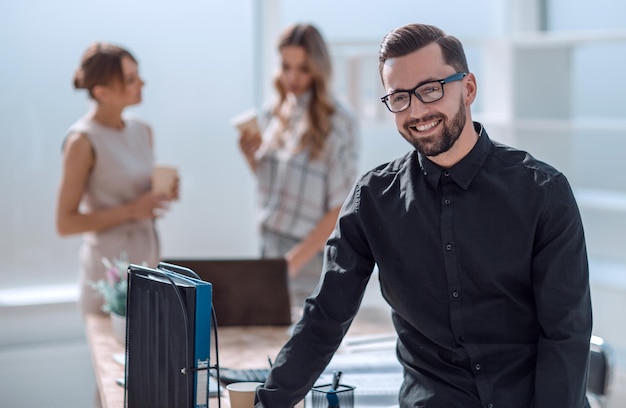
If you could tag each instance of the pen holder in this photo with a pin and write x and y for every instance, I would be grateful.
(345, 394)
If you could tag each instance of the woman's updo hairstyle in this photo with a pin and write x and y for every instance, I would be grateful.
(101, 65)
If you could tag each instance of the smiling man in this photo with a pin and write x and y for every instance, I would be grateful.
(480, 250)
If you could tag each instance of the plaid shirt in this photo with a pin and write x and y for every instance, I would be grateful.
(295, 192)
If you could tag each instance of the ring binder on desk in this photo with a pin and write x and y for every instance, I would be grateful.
(167, 339)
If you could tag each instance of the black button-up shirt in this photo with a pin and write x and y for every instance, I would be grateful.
(485, 268)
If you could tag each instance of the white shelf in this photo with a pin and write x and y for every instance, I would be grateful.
(605, 124)
(39, 295)
(605, 200)
(562, 125)
(569, 39)
(545, 40)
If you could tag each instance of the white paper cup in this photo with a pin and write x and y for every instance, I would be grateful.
(246, 121)
(163, 179)
(241, 394)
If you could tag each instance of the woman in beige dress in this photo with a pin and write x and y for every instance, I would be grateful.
(105, 190)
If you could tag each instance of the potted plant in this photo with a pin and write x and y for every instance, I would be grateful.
(114, 291)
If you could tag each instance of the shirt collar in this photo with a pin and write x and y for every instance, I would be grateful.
(465, 170)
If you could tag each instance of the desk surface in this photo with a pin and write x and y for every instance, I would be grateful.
(239, 347)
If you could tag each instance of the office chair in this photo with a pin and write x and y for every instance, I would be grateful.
(600, 372)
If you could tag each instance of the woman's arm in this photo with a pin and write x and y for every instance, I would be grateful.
(299, 255)
(249, 143)
(78, 160)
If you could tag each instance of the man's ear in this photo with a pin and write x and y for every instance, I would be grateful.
(470, 89)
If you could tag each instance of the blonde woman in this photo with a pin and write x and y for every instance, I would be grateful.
(304, 158)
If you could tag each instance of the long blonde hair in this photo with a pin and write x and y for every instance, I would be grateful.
(321, 105)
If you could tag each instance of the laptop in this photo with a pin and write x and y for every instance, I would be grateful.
(246, 292)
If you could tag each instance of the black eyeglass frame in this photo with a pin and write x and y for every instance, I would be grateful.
(452, 78)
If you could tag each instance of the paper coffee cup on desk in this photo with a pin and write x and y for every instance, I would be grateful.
(241, 394)
(246, 121)
(163, 179)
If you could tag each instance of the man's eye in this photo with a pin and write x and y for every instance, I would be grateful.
(428, 89)
(399, 98)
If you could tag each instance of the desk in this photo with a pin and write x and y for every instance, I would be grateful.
(240, 347)
(103, 345)
(243, 347)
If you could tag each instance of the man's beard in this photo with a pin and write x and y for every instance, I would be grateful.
(435, 145)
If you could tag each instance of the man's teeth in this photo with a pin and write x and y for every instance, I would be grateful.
(426, 126)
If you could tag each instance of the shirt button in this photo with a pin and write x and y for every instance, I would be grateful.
(461, 339)
(477, 367)
(447, 201)
(445, 173)
(455, 294)
(449, 247)
(490, 405)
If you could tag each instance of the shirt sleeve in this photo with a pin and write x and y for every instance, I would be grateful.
(561, 287)
(343, 157)
(348, 266)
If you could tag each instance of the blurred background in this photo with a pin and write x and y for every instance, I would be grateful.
(550, 81)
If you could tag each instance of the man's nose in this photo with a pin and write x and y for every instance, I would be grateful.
(416, 107)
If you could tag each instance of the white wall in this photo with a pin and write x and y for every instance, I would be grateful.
(197, 60)
(44, 358)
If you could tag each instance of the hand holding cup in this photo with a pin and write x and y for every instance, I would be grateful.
(165, 181)
(249, 133)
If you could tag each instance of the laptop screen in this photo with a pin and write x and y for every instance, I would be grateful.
(246, 292)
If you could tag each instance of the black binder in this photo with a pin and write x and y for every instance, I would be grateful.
(167, 339)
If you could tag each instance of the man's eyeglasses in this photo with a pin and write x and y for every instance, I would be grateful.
(428, 92)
